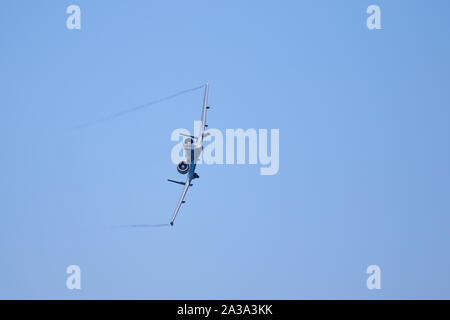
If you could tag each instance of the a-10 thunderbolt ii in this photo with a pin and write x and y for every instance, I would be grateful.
(193, 147)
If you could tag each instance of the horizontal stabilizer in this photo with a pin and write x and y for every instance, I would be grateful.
(179, 182)
(189, 136)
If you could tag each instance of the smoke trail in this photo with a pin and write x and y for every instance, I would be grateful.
(124, 112)
(144, 225)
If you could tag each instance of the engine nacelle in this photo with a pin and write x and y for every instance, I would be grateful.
(183, 167)
(187, 143)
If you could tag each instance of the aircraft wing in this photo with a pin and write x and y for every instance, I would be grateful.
(205, 108)
(181, 201)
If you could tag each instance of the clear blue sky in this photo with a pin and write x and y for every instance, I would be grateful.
(364, 149)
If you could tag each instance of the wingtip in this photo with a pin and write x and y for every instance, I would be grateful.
(171, 223)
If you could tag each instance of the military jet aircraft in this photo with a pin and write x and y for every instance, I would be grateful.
(193, 147)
